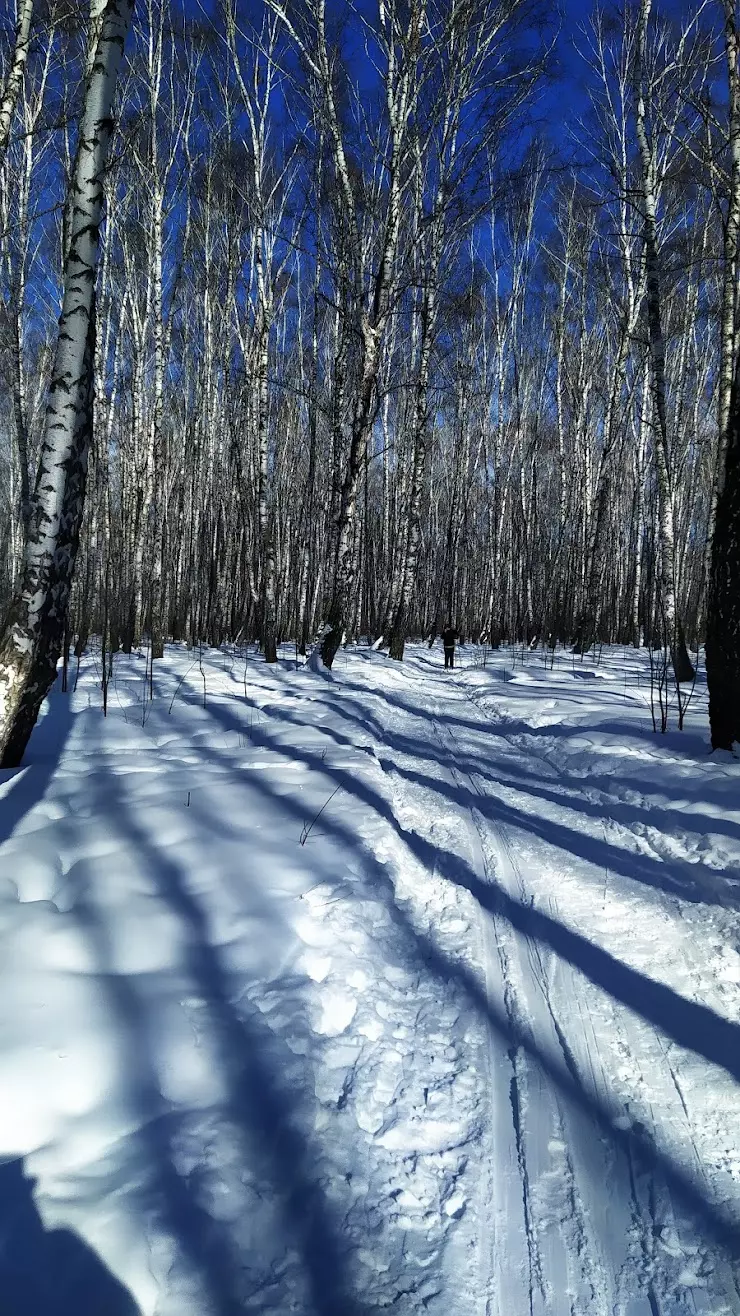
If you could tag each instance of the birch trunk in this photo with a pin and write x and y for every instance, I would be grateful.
(14, 79)
(420, 425)
(269, 638)
(157, 440)
(682, 666)
(640, 509)
(362, 422)
(34, 630)
(399, 77)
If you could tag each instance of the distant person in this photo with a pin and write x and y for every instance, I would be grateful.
(449, 635)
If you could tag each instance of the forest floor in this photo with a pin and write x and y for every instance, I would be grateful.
(382, 989)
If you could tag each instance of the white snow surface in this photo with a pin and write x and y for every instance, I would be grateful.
(397, 991)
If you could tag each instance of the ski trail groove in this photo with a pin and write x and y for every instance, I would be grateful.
(569, 1248)
(585, 1220)
(648, 1200)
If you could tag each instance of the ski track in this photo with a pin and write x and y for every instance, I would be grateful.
(576, 1260)
(490, 1131)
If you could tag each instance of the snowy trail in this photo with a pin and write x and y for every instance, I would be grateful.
(632, 1249)
(554, 1146)
(393, 990)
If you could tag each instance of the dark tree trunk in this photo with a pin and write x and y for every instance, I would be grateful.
(723, 609)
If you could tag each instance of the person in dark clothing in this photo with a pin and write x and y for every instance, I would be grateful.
(449, 635)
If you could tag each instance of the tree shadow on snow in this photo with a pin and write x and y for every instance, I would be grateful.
(49, 1273)
(30, 782)
(265, 1108)
(261, 1107)
(691, 1025)
(620, 809)
(687, 881)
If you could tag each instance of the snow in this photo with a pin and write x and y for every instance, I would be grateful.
(402, 990)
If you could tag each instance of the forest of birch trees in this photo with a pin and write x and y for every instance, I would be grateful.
(383, 325)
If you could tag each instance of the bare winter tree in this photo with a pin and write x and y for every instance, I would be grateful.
(468, 63)
(14, 75)
(370, 285)
(682, 666)
(361, 356)
(723, 610)
(34, 629)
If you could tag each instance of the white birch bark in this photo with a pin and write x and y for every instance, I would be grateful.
(682, 666)
(14, 77)
(33, 636)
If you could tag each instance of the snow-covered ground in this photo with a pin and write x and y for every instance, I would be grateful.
(385, 989)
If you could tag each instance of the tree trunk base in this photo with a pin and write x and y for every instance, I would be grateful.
(724, 698)
(683, 668)
(396, 647)
(724, 714)
(330, 644)
(25, 685)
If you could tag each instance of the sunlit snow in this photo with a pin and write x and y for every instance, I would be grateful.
(389, 990)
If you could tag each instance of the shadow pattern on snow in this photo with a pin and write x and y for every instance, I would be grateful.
(30, 782)
(681, 882)
(259, 1103)
(260, 1107)
(693, 1026)
(49, 1273)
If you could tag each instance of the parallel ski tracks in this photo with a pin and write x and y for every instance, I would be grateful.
(569, 1271)
(585, 1218)
(565, 1273)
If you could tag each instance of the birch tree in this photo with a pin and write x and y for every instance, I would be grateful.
(350, 370)
(14, 75)
(398, 35)
(682, 666)
(466, 64)
(32, 638)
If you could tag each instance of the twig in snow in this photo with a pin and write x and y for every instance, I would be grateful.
(606, 866)
(200, 660)
(179, 683)
(306, 829)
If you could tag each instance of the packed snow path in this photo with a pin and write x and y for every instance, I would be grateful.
(391, 989)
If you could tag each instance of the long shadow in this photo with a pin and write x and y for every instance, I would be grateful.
(637, 867)
(673, 878)
(603, 855)
(31, 782)
(261, 1107)
(716, 1221)
(171, 1193)
(693, 1026)
(675, 875)
(622, 811)
(634, 1143)
(49, 1273)
(555, 731)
